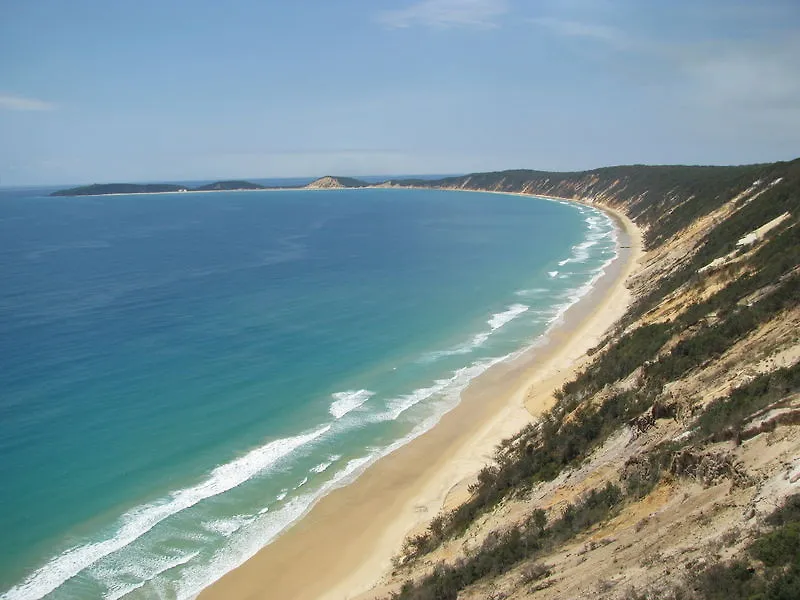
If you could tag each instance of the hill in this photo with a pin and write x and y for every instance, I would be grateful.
(333, 182)
(669, 467)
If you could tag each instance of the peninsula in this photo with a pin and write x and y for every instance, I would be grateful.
(105, 189)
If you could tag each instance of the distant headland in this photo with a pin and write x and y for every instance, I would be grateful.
(105, 189)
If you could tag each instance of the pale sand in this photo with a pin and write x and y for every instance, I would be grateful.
(344, 545)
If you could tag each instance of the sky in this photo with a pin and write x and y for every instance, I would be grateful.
(158, 90)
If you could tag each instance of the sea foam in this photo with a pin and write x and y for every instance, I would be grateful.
(323, 466)
(451, 387)
(143, 575)
(532, 293)
(140, 520)
(349, 400)
(262, 531)
(580, 252)
(500, 319)
(227, 527)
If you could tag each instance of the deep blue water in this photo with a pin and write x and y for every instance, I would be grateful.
(183, 375)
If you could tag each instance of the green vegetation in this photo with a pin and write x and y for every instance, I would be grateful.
(569, 432)
(776, 258)
(501, 552)
(711, 341)
(351, 182)
(536, 454)
(770, 569)
(723, 419)
(621, 359)
(229, 185)
(663, 198)
(102, 189)
(593, 406)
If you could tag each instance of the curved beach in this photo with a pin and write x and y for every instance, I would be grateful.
(344, 545)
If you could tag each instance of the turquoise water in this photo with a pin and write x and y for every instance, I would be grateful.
(184, 375)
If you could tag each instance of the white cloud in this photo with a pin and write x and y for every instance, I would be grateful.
(579, 29)
(447, 13)
(14, 102)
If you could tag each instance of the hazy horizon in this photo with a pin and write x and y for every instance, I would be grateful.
(369, 177)
(96, 91)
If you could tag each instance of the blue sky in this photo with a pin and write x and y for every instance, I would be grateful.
(149, 90)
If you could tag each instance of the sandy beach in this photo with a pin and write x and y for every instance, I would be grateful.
(343, 547)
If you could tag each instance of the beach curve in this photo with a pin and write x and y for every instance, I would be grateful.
(356, 530)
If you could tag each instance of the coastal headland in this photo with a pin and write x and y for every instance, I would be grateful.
(647, 448)
(666, 457)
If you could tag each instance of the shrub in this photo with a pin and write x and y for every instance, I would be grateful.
(723, 418)
(500, 552)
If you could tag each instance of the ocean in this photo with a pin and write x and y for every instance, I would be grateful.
(182, 376)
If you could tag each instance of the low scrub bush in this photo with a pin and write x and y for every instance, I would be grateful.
(503, 551)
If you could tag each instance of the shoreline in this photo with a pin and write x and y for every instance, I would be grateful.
(355, 530)
(305, 188)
